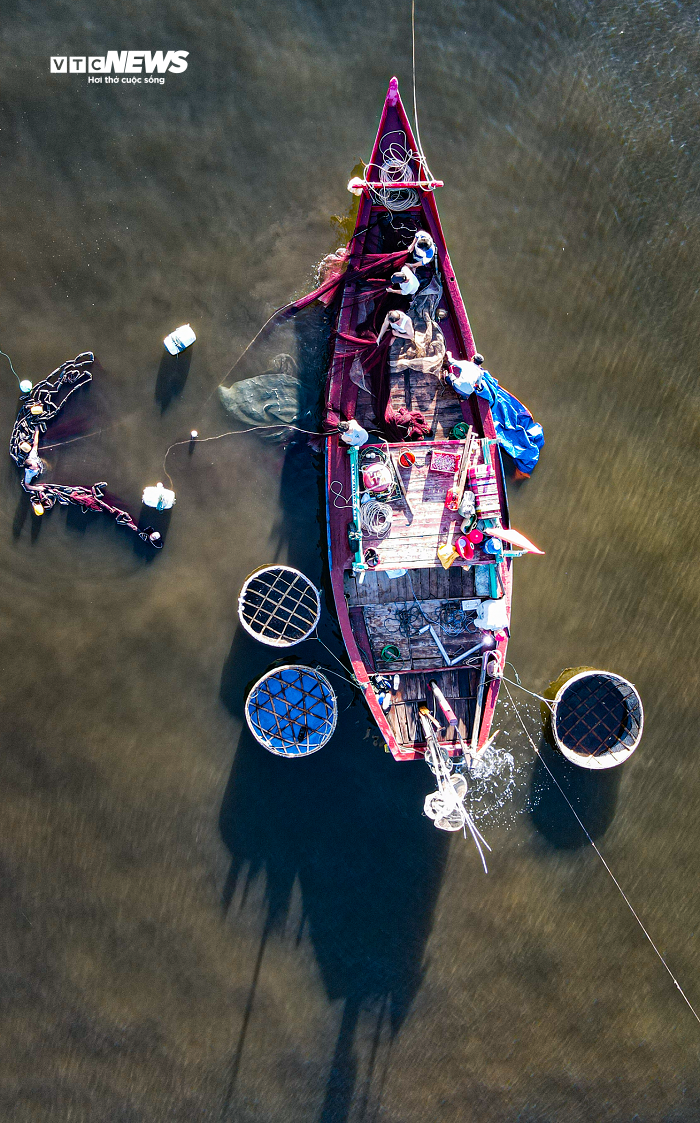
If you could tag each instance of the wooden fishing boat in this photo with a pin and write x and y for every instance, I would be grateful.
(408, 619)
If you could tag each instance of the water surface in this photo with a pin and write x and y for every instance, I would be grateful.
(193, 930)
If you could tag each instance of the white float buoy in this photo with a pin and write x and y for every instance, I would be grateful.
(179, 339)
(159, 497)
(25, 386)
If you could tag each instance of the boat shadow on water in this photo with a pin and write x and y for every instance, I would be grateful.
(593, 794)
(344, 825)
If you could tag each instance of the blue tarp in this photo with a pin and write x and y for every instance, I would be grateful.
(517, 431)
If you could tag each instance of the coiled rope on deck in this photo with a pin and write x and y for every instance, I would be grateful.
(375, 518)
(395, 168)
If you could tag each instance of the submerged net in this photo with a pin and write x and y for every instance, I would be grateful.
(596, 713)
(291, 366)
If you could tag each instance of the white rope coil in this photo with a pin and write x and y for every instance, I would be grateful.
(396, 168)
(375, 518)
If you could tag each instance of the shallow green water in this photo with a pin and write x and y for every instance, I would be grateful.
(360, 966)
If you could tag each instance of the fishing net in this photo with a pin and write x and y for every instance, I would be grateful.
(292, 711)
(597, 719)
(279, 606)
(38, 410)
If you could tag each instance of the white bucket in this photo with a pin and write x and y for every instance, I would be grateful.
(179, 339)
(159, 497)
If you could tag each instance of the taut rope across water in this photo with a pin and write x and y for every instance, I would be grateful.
(619, 888)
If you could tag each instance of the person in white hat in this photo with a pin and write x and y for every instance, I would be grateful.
(423, 248)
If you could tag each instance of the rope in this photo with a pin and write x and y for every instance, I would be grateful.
(397, 158)
(11, 366)
(375, 518)
(238, 432)
(454, 621)
(607, 867)
(339, 495)
(547, 701)
(423, 162)
(410, 621)
(349, 676)
(395, 166)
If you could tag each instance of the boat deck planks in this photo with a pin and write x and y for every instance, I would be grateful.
(440, 584)
(414, 692)
(440, 406)
(383, 625)
(378, 603)
(415, 535)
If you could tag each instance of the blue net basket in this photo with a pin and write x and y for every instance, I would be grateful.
(292, 711)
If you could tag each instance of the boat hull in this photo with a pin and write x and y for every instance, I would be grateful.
(413, 613)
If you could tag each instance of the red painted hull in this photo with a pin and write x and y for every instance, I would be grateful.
(341, 404)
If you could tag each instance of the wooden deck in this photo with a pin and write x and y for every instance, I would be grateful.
(457, 582)
(416, 534)
(401, 624)
(383, 610)
(414, 692)
(438, 403)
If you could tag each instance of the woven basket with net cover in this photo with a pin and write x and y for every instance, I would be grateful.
(292, 711)
(279, 606)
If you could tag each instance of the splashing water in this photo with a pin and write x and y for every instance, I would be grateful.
(492, 786)
(500, 777)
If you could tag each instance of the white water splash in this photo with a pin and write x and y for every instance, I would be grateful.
(499, 779)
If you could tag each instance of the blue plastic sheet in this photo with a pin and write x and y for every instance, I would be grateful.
(516, 430)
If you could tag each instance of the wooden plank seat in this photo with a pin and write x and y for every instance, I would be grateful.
(457, 582)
